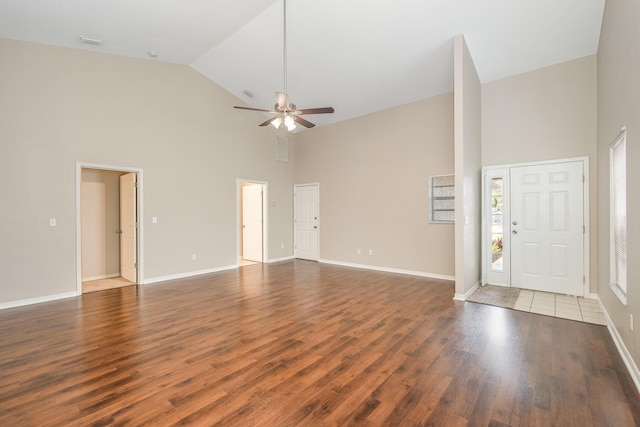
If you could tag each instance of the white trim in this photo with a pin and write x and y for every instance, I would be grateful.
(265, 217)
(103, 276)
(463, 297)
(287, 258)
(622, 349)
(37, 300)
(389, 270)
(139, 219)
(188, 274)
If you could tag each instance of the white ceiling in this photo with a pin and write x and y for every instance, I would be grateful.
(358, 56)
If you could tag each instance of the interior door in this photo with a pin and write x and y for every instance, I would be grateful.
(128, 209)
(252, 222)
(306, 223)
(547, 227)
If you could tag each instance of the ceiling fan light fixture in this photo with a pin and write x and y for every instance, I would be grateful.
(286, 111)
(276, 122)
(289, 123)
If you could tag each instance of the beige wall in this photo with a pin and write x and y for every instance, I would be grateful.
(374, 186)
(62, 106)
(545, 114)
(618, 106)
(100, 210)
(467, 137)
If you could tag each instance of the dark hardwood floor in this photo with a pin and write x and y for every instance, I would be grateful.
(301, 343)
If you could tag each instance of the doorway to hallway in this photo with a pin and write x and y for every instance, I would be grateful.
(252, 222)
(108, 211)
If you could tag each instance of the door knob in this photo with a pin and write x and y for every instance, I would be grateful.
(515, 222)
(514, 232)
(315, 226)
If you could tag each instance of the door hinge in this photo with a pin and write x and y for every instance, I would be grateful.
(584, 280)
(135, 265)
(584, 229)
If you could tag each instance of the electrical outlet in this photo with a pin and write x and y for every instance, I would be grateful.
(359, 251)
(194, 257)
(281, 245)
(370, 251)
(52, 222)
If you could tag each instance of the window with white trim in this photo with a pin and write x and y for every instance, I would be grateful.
(442, 198)
(618, 214)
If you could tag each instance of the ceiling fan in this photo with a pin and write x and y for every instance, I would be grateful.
(286, 111)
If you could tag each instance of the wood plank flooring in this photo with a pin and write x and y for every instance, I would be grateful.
(302, 343)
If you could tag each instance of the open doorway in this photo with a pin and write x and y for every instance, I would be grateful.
(252, 223)
(108, 233)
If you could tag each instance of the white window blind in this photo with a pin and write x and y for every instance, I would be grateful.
(442, 197)
(618, 211)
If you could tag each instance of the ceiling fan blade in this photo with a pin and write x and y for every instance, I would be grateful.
(253, 109)
(268, 122)
(302, 121)
(283, 100)
(323, 110)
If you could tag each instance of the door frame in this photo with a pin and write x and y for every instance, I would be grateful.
(486, 215)
(139, 216)
(265, 218)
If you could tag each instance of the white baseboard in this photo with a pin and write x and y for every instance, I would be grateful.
(270, 261)
(104, 276)
(38, 300)
(463, 297)
(188, 274)
(388, 270)
(622, 349)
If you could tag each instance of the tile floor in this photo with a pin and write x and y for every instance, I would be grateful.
(564, 306)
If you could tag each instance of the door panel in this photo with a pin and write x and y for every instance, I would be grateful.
(306, 221)
(128, 214)
(547, 227)
(252, 238)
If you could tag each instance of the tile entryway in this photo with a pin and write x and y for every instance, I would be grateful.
(563, 306)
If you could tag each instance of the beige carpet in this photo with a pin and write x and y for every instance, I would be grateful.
(495, 295)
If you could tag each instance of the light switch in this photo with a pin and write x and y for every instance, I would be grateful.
(52, 222)
(154, 219)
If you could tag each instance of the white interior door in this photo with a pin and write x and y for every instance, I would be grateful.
(252, 239)
(547, 227)
(306, 228)
(128, 208)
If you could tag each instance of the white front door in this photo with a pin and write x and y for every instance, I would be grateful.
(306, 228)
(252, 222)
(547, 227)
(128, 213)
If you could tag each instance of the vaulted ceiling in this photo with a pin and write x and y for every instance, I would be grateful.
(358, 56)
